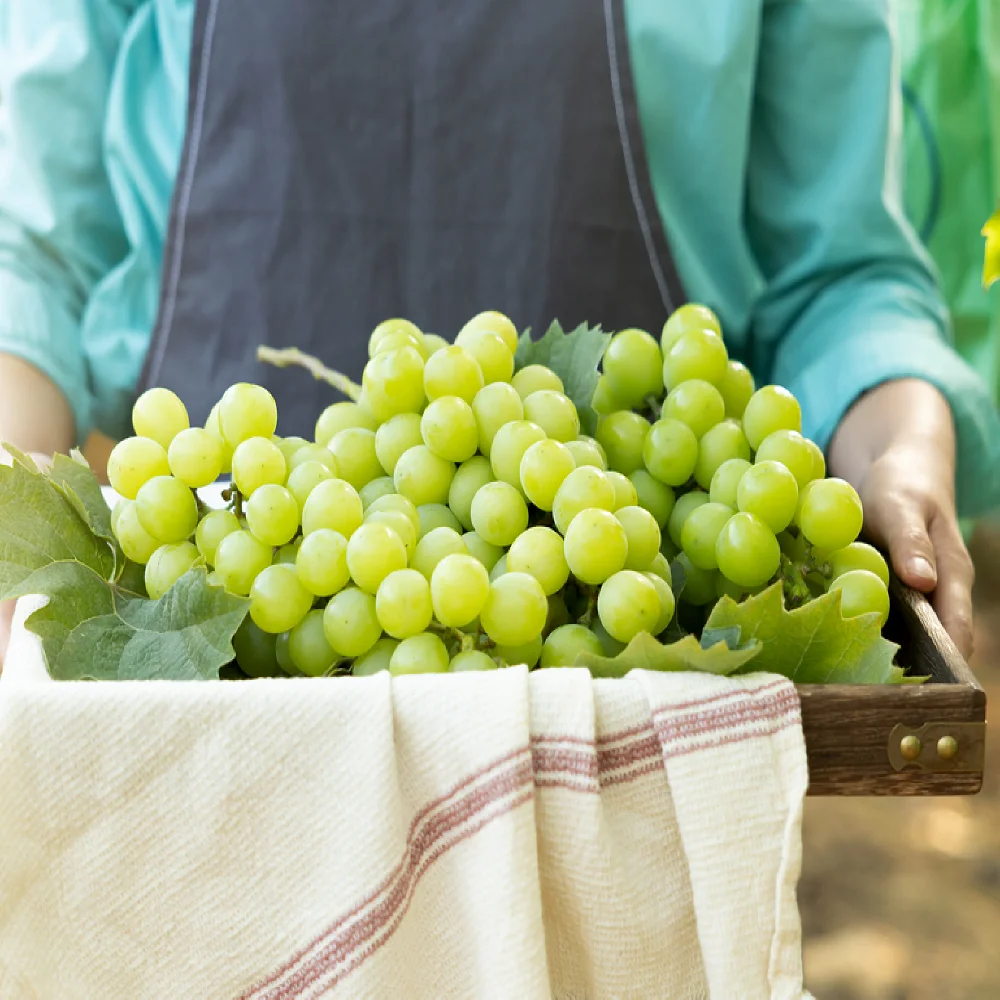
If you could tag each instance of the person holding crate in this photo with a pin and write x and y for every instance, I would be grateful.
(182, 180)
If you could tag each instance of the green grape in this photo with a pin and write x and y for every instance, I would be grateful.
(214, 427)
(376, 659)
(403, 603)
(726, 588)
(304, 478)
(792, 450)
(239, 558)
(339, 417)
(527, 653)
(625, 491)
(667, 603)
(133, 462)
(768, 490)
(257, 461)
(309, 649)
(566, 643)
(654, 496)
(622, 436)
(587, 451)
(393, 341)
(701, 531)
(391, 327)
(332, 504)
(670, 451)
(633, 366)
(167, 509)
(375, 490)
(747, 551)
(771, 408)
(437, 515)
(515, 610)
(722, 443)
(668, 548)
(643, 536)
(554, 412)
(159, 414)
(479, 548)
(288, 553)
(393, 382)
(596, 546)
(696, 403)
(535, 378)
(350, 622)
(321, 562)
(831, 515)
(195, 457)
(660, 566)
(495, 405)
(434, 546)
(736, 387)
(313, 453)
(459, 588)
(584, 488)
(628, 603)
(699, 584)
(859, 555)
(611, 647)
(544, 468)
(167, 565)
(420, 654)
(278, 602)
(726, 481)
(682, 509)
(137, 543)
(423, 477)
(494, 357)
(272, 514)
(400, 504)
(469, 477)
(116, 512)
(499, 513)
(255, 651)
(689, 317)
(212, 528)
(605, 402)
(396, 436)
(499, 568)
(494, 322)
(247, 411)
(699, 354)
(472, 659)
(509, 446)
(819, 462)
(558, 613)
(399, 523)
(862, 593)
(452, 371)
(539, 552)
(354, 452)
(282, 654)
(448, 426)
(373, 552)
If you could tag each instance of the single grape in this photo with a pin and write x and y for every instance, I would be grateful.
(309, 649)
(819, 462)
(792, 450)
(167, 565)
(515, 610)
(544, 468)
(554, 412)
(195, 457)
(771, 408)
(403, 603)
(272, 514)
(527, 653)
(831, 515)
(321, 562)
(437, 515)
(587, 451)
(722, 443)
(698, 584)
(667, 603)
(625, 491)
(726, 588)
(288, 553)
(282, 654)
(628, 604)
(419, 654)
(351, 622)
(696, 403)
(605, 402)
(373, 552)
(689, 317)
(682, 510)
(214, 427)
(239, 558)
(558, 613)
(584, 488)
(859, 555)
(423, 477)
(391, 327)
(469, 477)
(633, 366)
(137, 543)
(258, 462)
(332, 504)
(499, 568)
(699, 354)
(654, 496)
(480, 549)
(643, 536)
(434, 546)
(494, 357)
(495, 405)
(278, 602)
(393, 382)
(499, 513)
(509, 445)
(247, 411)
(159, 414)
(622, 435)
(747, 551)
(167, 509)
(459, 588)
(313, 453)
(339, 417)
(737, 387)
(701, 531)
(452, 371)
(303, 479)
(768, 490)
(133, 462)
(660, 567)
(670, 451)
(611, 647)
(375, 490)
(449, 430)
(726, 481)
(862, 593)
(353, 450)
(539, 552)
(376, 659)
(398, 522)
(396, 436)
(494, 322)
(472, 659)
(596, 546)
(401, 505)
(400, 338)
(255, 651)
(535, 378)
(566, 643)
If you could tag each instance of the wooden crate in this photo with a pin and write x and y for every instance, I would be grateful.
(902, 740)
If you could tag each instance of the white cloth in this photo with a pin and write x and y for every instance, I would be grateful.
(497, 835)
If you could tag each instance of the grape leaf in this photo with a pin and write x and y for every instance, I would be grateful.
(574, 357)
(74, 478)
(645, 653)
(812, 644)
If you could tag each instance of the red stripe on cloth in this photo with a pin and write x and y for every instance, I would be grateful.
(739, 712)
(773, 725)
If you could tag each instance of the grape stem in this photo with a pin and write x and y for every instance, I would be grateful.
(793, 580)
(588, 615)
(233, 497)
(654, 407)
(448, 632)
(285, 357)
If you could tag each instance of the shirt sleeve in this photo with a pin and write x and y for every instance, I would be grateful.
(60, 232)
(851, 298)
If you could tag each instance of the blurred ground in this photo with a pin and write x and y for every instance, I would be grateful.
(900, 898)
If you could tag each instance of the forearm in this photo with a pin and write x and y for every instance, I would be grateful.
(34, 414)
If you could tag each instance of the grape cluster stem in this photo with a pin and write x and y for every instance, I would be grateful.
(286, 357)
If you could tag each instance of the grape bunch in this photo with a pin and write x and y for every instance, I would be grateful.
(453, 517)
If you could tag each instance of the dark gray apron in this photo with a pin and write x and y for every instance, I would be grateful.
(348, 162)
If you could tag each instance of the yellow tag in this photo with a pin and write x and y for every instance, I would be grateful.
(991, 262)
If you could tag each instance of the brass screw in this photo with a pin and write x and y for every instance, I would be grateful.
(909, 747)
(947, 747)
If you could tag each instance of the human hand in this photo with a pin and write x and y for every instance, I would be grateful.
(896, 446)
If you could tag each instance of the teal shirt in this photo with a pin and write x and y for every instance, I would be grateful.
(772, 132)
